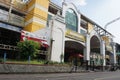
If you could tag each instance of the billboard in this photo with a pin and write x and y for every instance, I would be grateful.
(25, 35)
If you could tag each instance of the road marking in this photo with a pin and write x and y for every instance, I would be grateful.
(107, 77)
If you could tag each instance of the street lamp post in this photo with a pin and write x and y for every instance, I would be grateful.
(114, 20)
(105, 27)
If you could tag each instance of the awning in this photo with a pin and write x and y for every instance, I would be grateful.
(77, 55)
(29, 36)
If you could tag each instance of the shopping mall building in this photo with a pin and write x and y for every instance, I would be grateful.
(69, 33)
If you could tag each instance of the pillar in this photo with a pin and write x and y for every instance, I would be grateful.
(114, 54)
(87, 49)
(102, 47)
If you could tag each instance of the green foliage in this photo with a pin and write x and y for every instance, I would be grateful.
(28, 48)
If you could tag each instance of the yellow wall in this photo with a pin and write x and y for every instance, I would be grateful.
(29, 15)
(36, 12)
(31, 3)
(44, 3)
(40, 13)
(33, 27)
(28, 27)
(36, 26)
(90, 27)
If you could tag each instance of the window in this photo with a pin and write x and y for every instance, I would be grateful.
(71, 20)
(84, 24)
(52, 10)
(49, 18)
(83, 31)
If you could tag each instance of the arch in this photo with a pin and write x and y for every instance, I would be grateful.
(67, 6)
(73, 49)
(94, 44)
(71, 20)
(95, 48)
(94, 33)
(74, 44)
(68, 39)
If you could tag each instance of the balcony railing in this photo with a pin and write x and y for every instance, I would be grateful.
(8, 47)
(16, 5)
(17, 20)
(11, 18)
(43, 52)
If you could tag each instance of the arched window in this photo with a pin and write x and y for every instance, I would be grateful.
(71, 20)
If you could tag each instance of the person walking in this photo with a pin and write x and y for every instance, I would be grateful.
(74, 65)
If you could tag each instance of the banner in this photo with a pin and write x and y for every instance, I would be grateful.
(25, 35)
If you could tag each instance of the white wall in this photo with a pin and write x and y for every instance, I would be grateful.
(58, 35)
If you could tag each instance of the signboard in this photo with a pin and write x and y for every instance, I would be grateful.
(75, 35)
(25, 35)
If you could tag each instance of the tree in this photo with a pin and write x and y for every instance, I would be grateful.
(28, 48)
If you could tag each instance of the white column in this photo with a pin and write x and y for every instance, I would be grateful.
(58, 35)
(79, 21)
(87, 49)
(114, 53)
(102, 47)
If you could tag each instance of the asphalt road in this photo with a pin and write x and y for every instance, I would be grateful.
(64, 76)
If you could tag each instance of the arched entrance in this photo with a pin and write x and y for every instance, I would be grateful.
(95, 53)
(73, 50)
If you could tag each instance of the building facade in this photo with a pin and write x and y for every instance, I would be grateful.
(70, 34)
(79, 37)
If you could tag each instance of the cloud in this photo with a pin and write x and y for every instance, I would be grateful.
(82, 2)
(78, 2)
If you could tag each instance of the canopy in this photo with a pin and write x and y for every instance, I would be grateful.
(25, 35)
(77, 55)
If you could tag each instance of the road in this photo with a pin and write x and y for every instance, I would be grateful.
(64, 76)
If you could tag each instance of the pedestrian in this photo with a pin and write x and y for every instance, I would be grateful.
(74, 65)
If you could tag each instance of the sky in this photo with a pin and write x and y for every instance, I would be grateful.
(101, 12)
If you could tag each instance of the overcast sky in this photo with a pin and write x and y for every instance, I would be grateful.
(100, 11)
